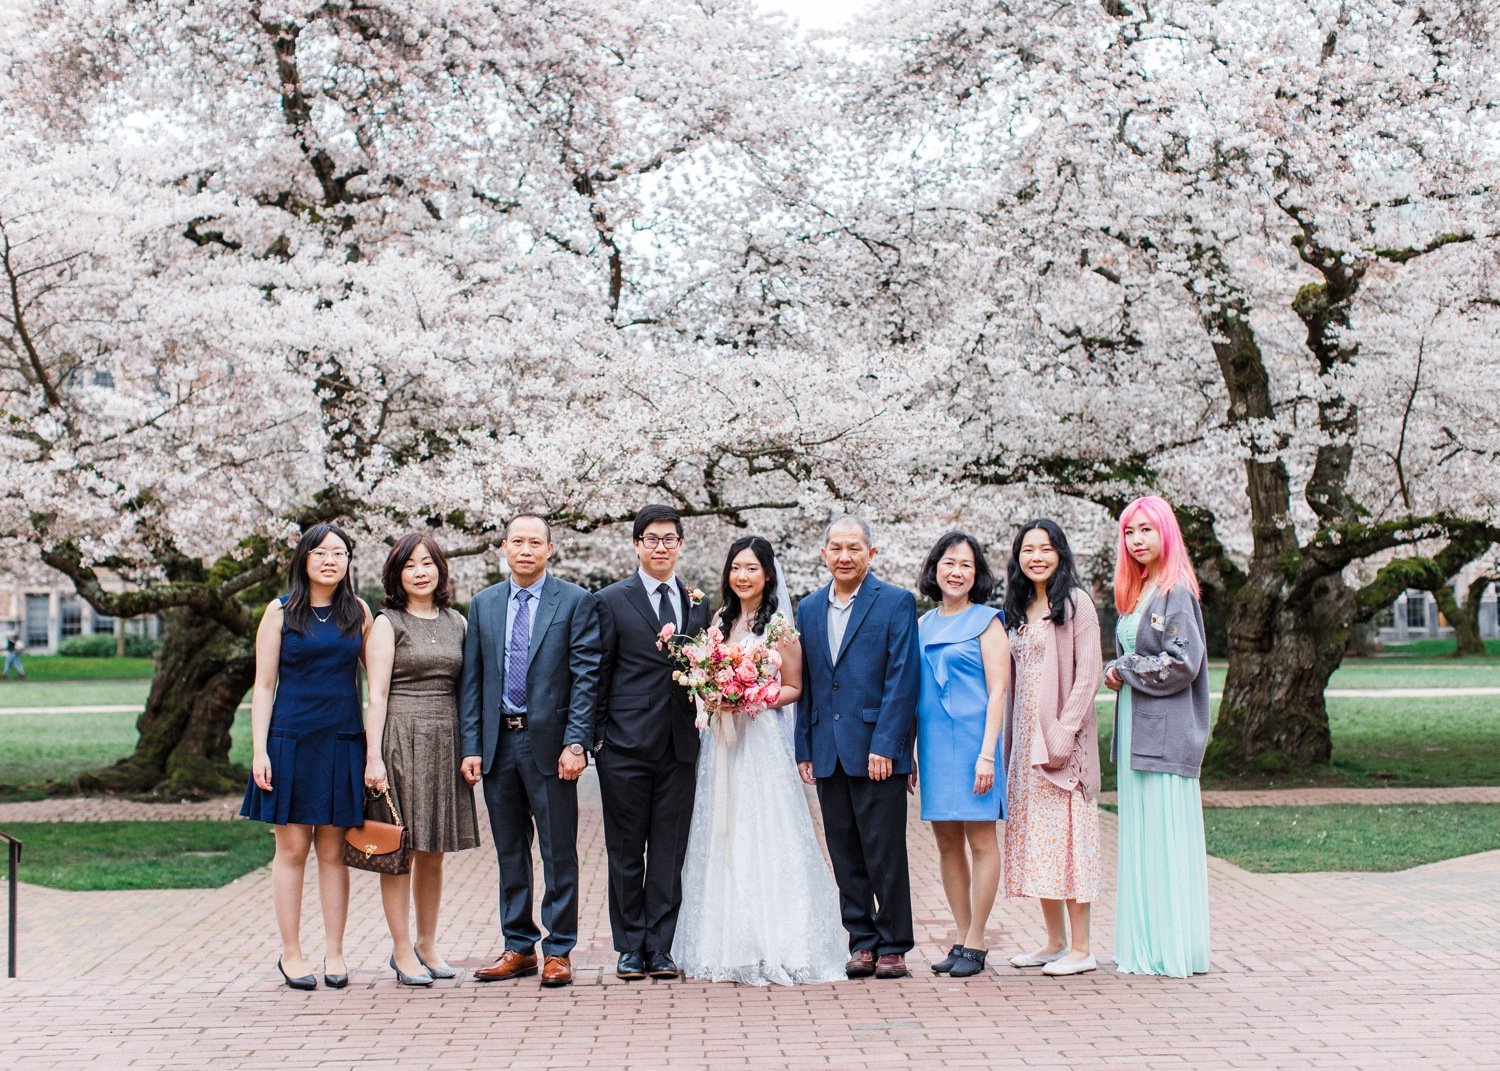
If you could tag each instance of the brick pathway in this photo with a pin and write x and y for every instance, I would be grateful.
(1310, 971)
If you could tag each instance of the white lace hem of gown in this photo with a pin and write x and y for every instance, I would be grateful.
(759, 905)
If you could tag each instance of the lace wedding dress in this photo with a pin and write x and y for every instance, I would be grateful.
(758, 903)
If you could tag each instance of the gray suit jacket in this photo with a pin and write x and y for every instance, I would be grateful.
(562, 673)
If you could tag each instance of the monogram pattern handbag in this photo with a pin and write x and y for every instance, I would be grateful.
(382, 847)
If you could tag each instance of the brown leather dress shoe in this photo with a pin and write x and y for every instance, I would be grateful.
(861, 963)
(511, 964)
(557, 970)
(891, 965)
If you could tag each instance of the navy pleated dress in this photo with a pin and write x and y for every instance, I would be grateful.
(316, 742)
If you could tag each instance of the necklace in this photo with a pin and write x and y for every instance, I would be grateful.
(320, 617)
(429, 624)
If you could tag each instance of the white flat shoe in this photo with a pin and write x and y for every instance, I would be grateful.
(1031, 959)
(1083, 966)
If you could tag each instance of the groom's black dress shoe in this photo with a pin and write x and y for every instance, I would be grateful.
(631, 967)
(662, 965)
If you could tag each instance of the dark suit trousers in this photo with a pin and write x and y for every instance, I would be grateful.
(520, 797)
(648, 810)
(864, 823)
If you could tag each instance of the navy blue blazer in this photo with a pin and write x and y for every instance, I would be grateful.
(864, 702)
(562, 672)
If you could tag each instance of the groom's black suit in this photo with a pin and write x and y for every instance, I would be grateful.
(646, 761)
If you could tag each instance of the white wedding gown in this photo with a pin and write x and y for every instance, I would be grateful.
(758, 902)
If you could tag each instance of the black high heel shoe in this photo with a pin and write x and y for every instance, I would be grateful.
(305, 982)
(335, 981)
(402, 978)
(944, 965)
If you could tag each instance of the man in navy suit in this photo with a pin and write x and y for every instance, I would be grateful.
(855, 724)
(647, 747)
(526, 719)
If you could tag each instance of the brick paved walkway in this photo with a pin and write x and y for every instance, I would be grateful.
(1310, 971)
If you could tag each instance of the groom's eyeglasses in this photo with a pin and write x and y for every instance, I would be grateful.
(651, 542)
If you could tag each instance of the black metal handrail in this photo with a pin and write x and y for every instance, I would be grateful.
(15, 861)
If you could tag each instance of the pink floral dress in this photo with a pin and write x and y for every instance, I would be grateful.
(1051, 835)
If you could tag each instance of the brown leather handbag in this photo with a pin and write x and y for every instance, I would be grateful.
(379, 846)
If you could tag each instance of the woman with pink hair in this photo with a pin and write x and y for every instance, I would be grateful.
(1161, 730)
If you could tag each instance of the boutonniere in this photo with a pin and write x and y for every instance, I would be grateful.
(694, 596)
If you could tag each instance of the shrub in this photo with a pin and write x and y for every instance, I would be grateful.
(93, 646)
(102, 645)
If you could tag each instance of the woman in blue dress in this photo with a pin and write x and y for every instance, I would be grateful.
(1161, 731)
(965, 671)
(308, 742)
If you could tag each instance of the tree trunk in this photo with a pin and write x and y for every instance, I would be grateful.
(1464, 617)
(202, 672)
(1283, 647)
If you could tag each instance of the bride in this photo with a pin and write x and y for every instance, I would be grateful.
(758, 903)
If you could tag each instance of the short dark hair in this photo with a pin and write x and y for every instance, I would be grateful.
(650, 515)
(529, 517)
(984, 580)
(395, 562)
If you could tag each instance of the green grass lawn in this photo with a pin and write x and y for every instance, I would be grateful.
(97, 856)
(43, 747)
(65, 668)
(1421, 650)
(1274, 840)
(102, 693)
(1397, 742)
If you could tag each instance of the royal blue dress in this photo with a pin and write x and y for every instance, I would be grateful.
(316, 742)
(950, 718)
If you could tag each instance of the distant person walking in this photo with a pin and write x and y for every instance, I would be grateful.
(13, 655)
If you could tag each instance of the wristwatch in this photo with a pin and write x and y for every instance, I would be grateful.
(574, 749)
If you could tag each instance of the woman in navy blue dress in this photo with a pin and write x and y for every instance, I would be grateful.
(965, 670)
(307, 769)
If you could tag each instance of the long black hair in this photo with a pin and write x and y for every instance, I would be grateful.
(1019, 588)
(984, 579)
(346, 608)
(729, 602)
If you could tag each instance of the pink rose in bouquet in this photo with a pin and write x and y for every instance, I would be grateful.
(741, 677)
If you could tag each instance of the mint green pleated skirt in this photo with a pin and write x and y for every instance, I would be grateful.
(1161, 899)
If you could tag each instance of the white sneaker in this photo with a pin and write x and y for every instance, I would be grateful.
(1083, 966)
(1031, 959)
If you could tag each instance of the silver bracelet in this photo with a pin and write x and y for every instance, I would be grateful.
(987, 758)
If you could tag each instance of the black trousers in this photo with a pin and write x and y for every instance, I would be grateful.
(864, 822)
(648, 810)
(520, 799)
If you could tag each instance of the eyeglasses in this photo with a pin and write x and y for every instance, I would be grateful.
(651, 542)
(328, 555)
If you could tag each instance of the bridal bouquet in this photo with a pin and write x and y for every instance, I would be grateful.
(738, 676)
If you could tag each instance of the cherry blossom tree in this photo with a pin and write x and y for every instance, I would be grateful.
(389, 264)
(1241, 255)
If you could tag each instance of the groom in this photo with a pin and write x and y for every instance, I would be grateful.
(647, 747)
(854, 741)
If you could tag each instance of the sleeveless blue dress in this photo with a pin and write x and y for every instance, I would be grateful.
(950, 718)
(316, 741)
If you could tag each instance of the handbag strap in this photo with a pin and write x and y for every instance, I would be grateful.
(390, 803)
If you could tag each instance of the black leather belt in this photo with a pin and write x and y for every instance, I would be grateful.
(513, 721)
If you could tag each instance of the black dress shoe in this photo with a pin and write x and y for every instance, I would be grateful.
(661, 965)
(306, 981)
(943, 966)
(631, 967)
(335, 981)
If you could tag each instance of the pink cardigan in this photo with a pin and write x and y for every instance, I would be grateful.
(1065, 750)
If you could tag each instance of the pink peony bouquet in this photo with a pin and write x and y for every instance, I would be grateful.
(743, 677)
